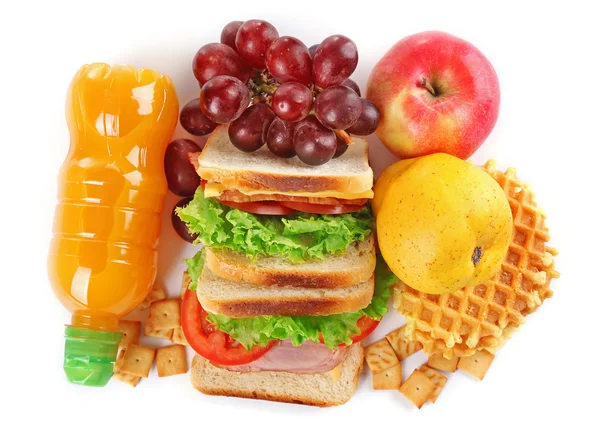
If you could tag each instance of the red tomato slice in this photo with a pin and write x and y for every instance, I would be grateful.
(210, 343)
(261, 207)
(321, 208)
(366, 325)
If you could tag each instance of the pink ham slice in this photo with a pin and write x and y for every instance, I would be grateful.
(284, 357)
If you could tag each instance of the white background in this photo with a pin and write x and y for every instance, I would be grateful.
(547, 59)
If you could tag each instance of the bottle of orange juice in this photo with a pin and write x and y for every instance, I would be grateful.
(103, 258)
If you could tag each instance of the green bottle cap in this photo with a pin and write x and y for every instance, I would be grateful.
(90, 355)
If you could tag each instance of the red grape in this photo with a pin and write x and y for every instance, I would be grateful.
(252, 41)
(335, 60)
(194, 121)
(229, 32)
(292, 101)
(218, 59)
(312, 49)
(368, 121)
(246, 132)
(280, 138)
(224, 98)
(341, 148)
(179, 226)
(338, 107)
(288, 60)
(352, 85)
(314, 144)
(182, 178)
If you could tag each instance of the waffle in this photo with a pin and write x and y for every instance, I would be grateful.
(484, 316)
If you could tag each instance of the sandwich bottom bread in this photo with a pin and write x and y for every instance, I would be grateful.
(323, 389)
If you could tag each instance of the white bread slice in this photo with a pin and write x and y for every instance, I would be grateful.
(356, 265)
(242, 299)
(322, 389)
(221, 162)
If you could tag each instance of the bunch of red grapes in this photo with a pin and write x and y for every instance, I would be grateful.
(267, 88)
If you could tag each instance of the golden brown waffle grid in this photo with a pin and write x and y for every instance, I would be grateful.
(483, 316)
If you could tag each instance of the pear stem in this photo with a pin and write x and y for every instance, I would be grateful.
(425, 83)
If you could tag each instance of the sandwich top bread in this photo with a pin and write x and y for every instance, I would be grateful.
(225, 168)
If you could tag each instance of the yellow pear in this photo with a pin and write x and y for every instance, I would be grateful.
(442, 223)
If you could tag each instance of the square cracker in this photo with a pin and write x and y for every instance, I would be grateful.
(476, 365)
(178, 337)
(418, 388)
(403, 346)
(380, 356)
(185, 283)
(131, 330)
(165, 314)
(171, 360)
(437, 378)
(150, 331)
(157, 293)
(389, 379)
(118, 361)
(136, 360)
(439, 362)
(127, 378)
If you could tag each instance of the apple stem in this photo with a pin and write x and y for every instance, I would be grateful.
(428, 86)
(476, 257)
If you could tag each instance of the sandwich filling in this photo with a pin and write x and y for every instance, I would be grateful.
(285, 357)
(298, 236)
(300, 344)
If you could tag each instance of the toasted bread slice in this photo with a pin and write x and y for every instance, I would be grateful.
(322, 389)
(242, 299)
(336, 271)
(263, 172)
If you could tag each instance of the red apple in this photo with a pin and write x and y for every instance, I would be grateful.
(436, 93)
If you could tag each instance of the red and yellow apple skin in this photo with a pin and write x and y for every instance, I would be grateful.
(436, 93)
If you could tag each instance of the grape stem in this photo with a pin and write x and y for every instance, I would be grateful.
(344, 136)
(266, 88)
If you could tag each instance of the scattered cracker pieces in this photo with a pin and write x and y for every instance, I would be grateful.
(165, 314)
(127, 378)
(155, 333)
(439, 362)
(178, 337)
(476, 365)
(136, 360)
(131, 330)
(156, 294)
(389, 379)
(171, 360)
(380, 356)
(403, 347)
(437, 378)
(418, 388)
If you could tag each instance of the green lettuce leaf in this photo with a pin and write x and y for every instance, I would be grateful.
(298, 237)
(384, 280)
(194, 268)
(336, 328)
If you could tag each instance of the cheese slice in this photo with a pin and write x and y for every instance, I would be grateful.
(335, 373)
(215, 189)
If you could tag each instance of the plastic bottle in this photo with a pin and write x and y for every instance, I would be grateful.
(103, 258)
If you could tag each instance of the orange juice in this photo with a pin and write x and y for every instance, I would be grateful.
(103, 256)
